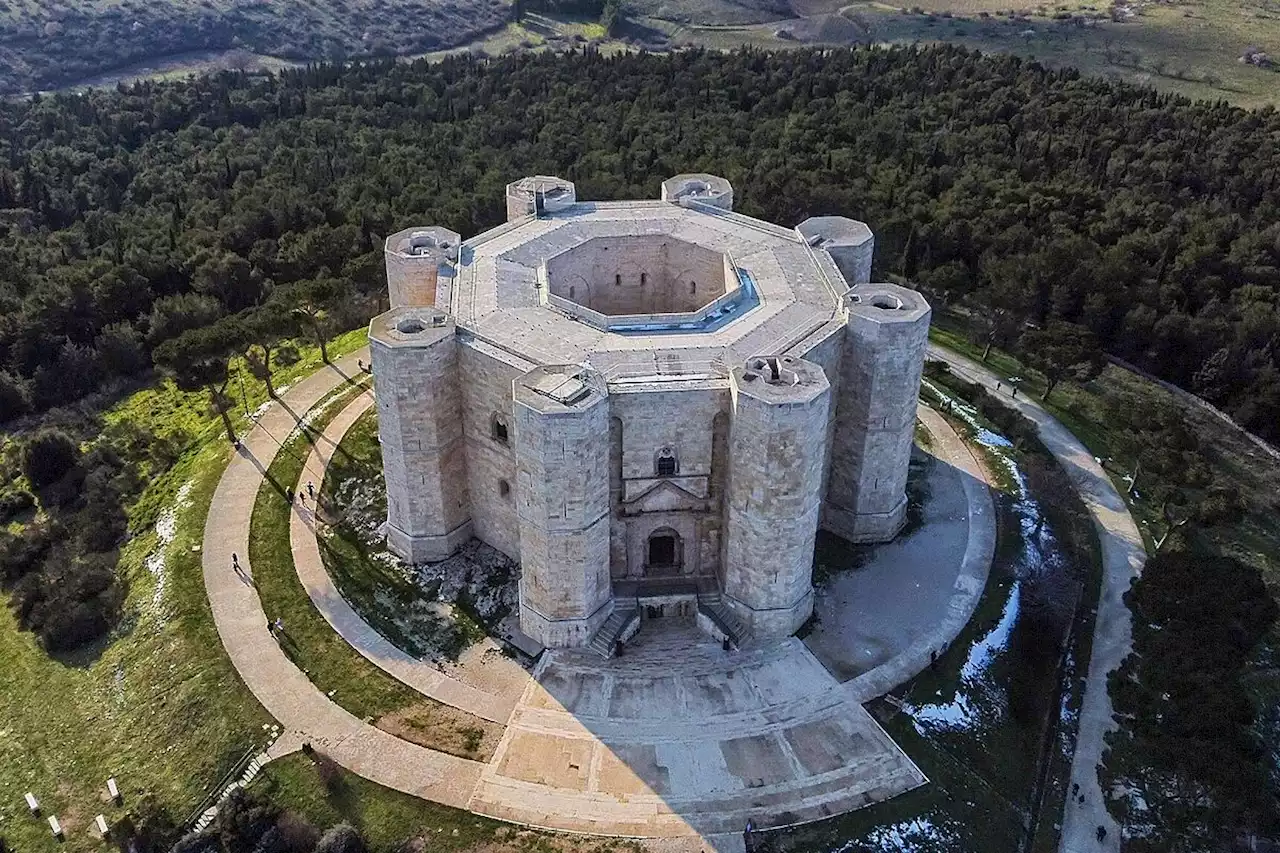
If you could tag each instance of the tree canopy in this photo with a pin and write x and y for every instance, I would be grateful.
(1147, 221)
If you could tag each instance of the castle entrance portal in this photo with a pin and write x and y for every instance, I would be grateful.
(664, 551)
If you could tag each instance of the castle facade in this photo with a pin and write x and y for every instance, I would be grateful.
(648, 404)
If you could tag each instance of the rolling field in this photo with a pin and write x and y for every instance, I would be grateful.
(1191, 49)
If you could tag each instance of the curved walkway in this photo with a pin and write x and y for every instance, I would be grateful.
(283, 689)
(1123, 556)
(423, 676)
(970, 576)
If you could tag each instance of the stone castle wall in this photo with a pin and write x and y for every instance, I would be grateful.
(638, 275)
(475, 443)
(420, 430)
(562, 499)
(888, 330)
(774, 492)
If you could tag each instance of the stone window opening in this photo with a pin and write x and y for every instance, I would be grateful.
(498, 430)
(617, 280)
(644, 279)
(572, 291)
(666, 464)
(504, 488)
(693, 288)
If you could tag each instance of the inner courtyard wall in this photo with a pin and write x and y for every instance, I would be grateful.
(605, 274)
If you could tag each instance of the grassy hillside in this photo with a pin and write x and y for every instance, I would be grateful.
(1190, 48)
(49, 43)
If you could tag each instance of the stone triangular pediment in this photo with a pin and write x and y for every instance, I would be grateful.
(665, 496)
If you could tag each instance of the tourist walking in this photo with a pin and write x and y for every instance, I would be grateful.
(311, 490)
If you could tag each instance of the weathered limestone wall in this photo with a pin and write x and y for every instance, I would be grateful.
(780, 416)
(491, 460)
(828, 353)
(413, 259)
(551, 192)
(638, 275)
(884, 356)
(644, 425)
(414, 354)
(850, 243)
(562, 499)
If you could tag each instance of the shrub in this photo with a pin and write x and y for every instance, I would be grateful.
(342, 838)
(14, 400)
(14, 502)
(49, 456)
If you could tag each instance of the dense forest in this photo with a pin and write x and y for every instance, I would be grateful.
(1082, 207)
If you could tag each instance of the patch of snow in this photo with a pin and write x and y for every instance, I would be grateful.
(156, 562)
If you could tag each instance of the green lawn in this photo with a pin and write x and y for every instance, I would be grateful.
(158, 706)
(388, 817)
(378, 585)
(332, 665)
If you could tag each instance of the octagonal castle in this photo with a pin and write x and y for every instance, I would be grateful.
(649, 404)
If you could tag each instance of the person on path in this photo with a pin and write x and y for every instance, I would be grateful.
(1102, 834)
(288, 495)
(1015, 392)
(311, 490)
(278, 626)
(235, 562)
(998, 386)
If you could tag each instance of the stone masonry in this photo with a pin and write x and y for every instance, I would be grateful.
(639, 398)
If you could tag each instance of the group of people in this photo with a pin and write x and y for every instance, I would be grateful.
(311, 493)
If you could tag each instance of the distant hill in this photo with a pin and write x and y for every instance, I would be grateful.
(45, 44)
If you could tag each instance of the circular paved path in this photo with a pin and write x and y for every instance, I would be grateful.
(825, 756)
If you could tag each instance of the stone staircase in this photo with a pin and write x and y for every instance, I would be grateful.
(712, 605)
(606, 639)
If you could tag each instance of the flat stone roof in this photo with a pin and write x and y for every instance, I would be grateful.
(494, 296)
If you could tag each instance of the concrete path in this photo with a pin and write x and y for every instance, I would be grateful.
(880, 624)
(684, 752)
(285, 692)
(424, 676)
(1123, 556)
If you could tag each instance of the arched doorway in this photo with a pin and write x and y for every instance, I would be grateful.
(664, 551)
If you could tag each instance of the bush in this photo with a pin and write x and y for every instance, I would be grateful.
(49, 456)
(14, 400)
(14, 502)
(343, 838)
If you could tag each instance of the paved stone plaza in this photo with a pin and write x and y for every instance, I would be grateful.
(679, 732)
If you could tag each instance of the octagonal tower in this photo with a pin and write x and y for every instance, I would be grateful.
(562, 501)
(699, 187)
(888, 332)
(779, 425)
(414, 354)
(413, 259)
(539, 194)
(849, 242)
